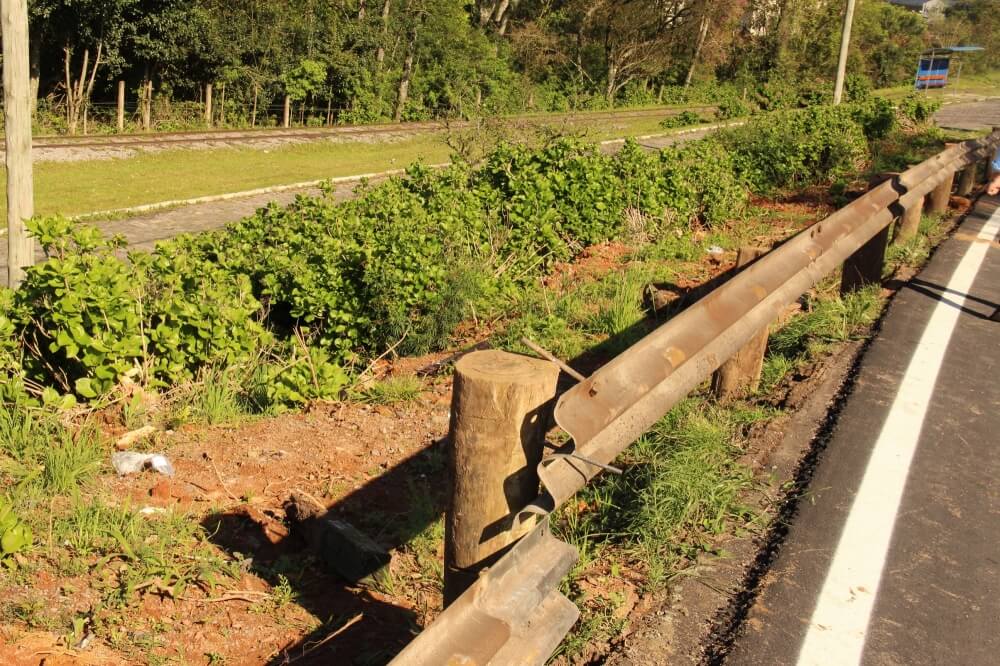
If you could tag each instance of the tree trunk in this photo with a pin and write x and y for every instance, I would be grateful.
(697, 51)
(404, 82)
(121, 107)
(329, 109)
(486, 9)
(77, 93)
(222, 105)
(380, 53)
(147, 104)
(362, 9)
(609, 92)
(89, 90)
(68, 82)
(287, 112)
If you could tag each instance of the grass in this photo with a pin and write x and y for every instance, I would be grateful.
(215, 399)
(681, 488)
(391, 391)
(47, 471)
(77, 188)
(916, 250)
(38, 455)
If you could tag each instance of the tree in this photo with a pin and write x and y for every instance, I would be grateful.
(89, 34)
(972, 23)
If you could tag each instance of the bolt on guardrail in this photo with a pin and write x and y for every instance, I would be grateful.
(513, 613)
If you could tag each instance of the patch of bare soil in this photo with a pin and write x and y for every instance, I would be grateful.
(368, 465)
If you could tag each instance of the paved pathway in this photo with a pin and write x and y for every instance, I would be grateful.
(893, 557)
(974, 116)
(144, 231)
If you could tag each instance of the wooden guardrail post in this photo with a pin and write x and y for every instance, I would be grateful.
(909, 224)
(740, 375)
(967, 180)
(941, 195)
(501, 410)
(864, 267)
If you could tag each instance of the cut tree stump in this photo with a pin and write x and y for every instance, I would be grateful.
(501, 410)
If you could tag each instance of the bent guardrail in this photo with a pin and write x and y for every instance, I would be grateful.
(514, 614)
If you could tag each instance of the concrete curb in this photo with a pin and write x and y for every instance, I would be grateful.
(147, 208)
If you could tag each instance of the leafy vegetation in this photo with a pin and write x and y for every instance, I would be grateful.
(290, 299)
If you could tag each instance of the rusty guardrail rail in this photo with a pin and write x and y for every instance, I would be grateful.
(514, 613)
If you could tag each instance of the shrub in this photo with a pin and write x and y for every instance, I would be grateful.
(292, 296)
(682, 119)
(876, 116)
(918, 109)
(795, 148)
(86, 317)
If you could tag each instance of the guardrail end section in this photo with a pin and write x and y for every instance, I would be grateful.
(513, 614)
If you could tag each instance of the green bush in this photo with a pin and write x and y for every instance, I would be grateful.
(682, 119)
(86, 317)
(795, 148)
(876, 116)
(918, 109)
(290, 297)
(14, 534)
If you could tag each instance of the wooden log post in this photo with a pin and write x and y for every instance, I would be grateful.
(287, 112)
(222, 104)
(909, 224)
(121, 107)
(501, 410)
(967, 180)
(208, 105)
(147, 104)
(864, 267)
(740, 375)
(17, 137)
(941, 195)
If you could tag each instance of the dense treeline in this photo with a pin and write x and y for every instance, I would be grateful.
(368, 60)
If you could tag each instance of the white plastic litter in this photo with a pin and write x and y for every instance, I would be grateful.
(132, 462)
(715, 249)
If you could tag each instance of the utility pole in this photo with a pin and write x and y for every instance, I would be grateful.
(845, 44)
(17, 118)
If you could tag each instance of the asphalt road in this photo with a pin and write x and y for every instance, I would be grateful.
(892, 557)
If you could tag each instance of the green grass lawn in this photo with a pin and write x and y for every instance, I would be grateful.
(75, 188)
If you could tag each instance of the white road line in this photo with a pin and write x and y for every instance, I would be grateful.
(839, 623)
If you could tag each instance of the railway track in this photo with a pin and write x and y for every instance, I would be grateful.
(261, 135)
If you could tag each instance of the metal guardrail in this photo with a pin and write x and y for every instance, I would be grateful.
(514, 613)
